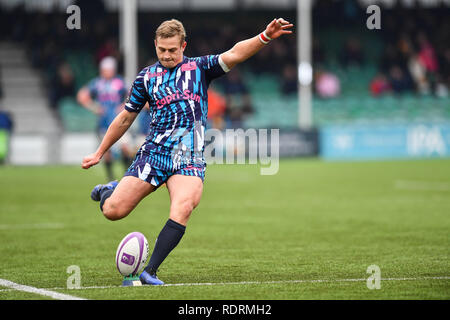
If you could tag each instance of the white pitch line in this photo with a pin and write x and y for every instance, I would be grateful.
(260, 282)
(42, 292)
(296, 281)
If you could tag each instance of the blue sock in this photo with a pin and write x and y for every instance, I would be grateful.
(168, 239)
(105, 194)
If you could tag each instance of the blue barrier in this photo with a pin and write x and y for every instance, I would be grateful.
(385, 142)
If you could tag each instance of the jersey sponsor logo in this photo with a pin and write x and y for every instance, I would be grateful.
(156, 74)
(189, 66)
(177, 96)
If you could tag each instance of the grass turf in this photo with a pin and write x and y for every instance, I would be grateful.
(314, 220)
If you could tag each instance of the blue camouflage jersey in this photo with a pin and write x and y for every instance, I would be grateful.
(178, 101)
(109, 94)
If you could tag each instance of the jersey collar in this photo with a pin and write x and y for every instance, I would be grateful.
(179, 64)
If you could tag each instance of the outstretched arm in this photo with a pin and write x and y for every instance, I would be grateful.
(243, 50)
(115, 131)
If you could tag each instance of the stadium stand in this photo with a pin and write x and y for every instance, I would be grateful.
(343, 48)
(24, 96)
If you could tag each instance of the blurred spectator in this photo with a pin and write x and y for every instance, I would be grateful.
(352, 53)
(399, 80)
(427, 56)
(404, 45)
(418, 73)
(379, 85)
(327, 84)
(63, 85)
(216, 109)
(237, 98)
(391, 56)
(289, 80)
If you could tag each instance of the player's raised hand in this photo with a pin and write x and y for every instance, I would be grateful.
(90, 160)
(278, 27)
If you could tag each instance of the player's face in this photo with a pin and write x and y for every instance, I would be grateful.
(169, 51)
(107, 73)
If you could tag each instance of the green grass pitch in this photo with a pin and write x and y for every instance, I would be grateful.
(255, 235)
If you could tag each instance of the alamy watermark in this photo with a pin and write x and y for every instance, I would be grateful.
(231, 146)
(374, 20)
(374, 281)
(74, 280)
(236, 146)
(74, 20)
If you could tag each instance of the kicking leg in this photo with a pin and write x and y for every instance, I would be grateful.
(116, 203)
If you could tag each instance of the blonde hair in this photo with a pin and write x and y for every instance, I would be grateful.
(169, 29)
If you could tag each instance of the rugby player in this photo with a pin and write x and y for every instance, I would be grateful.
(104, 96)
(175, 88)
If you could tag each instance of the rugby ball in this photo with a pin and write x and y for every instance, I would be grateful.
(132, 254)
